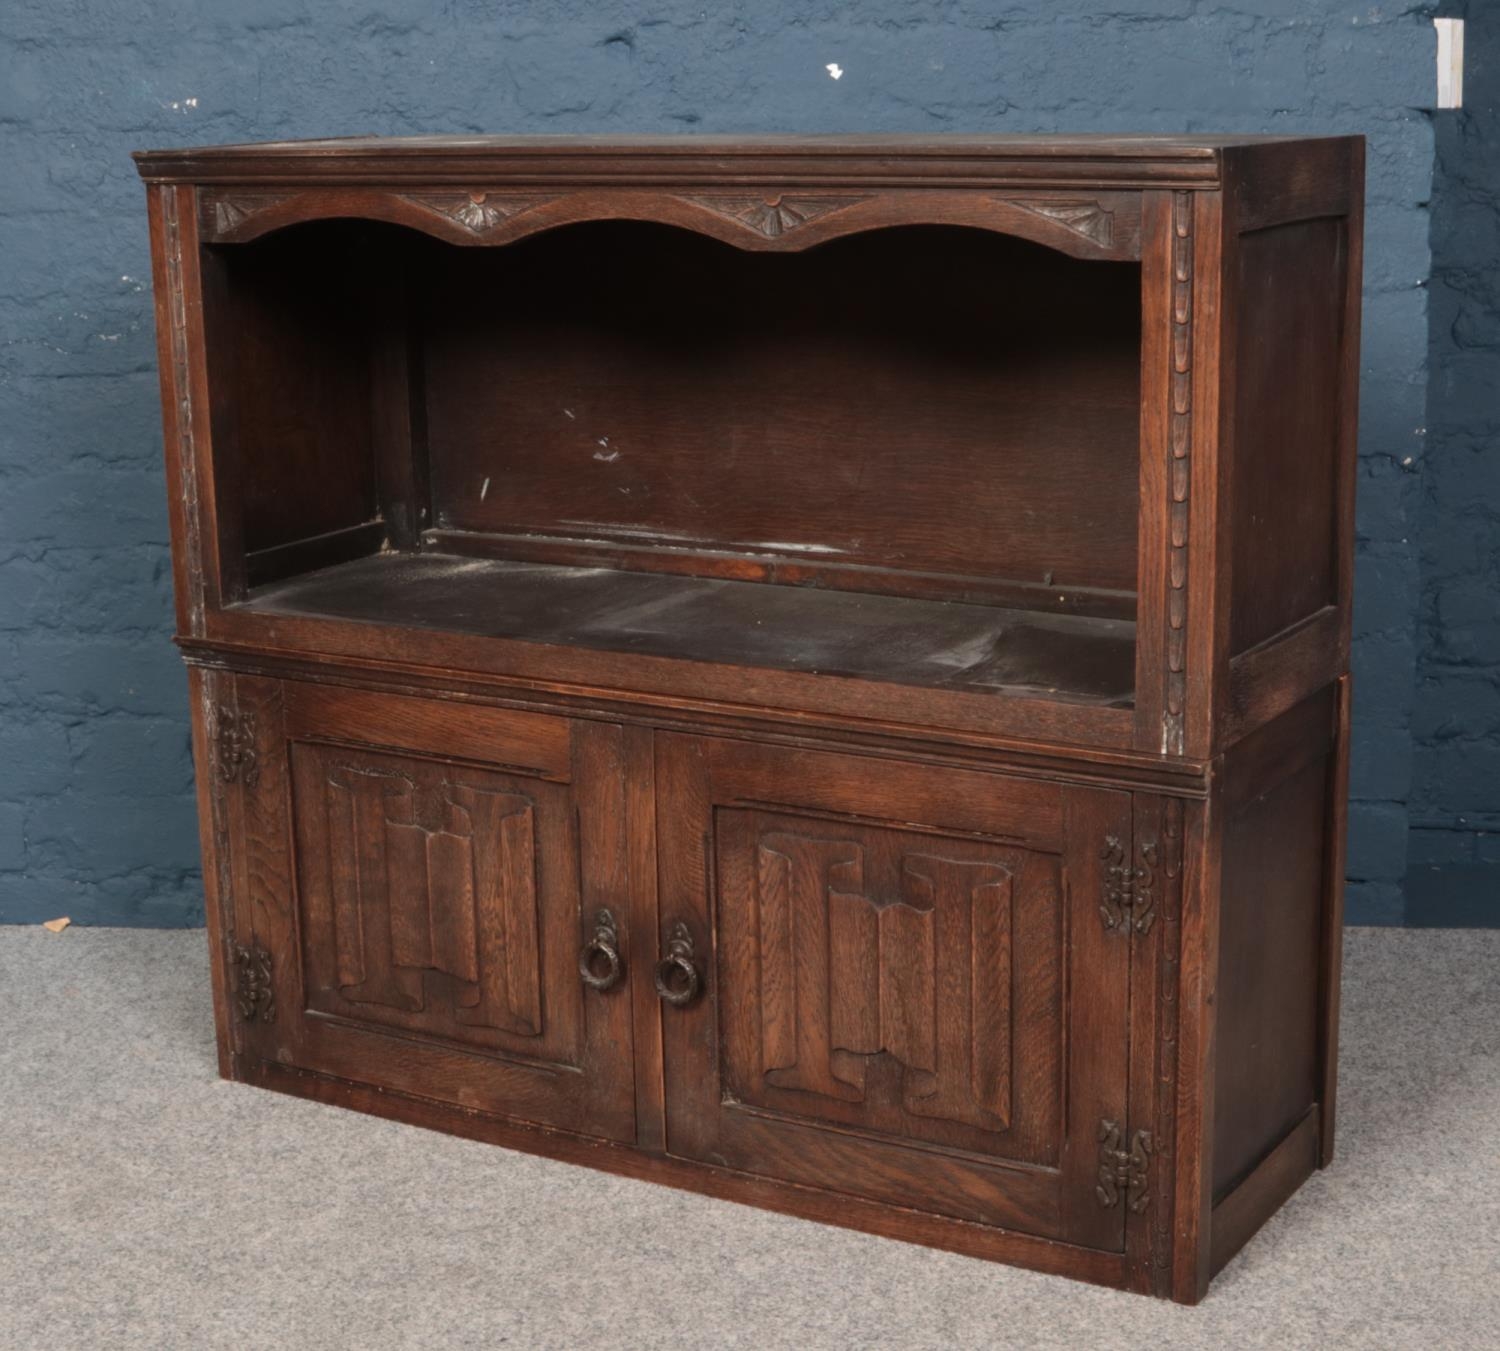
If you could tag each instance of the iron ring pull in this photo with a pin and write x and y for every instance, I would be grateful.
(678, 981)
(602, 950)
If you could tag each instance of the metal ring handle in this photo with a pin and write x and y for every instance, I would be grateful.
(603, 946)
(677, 979)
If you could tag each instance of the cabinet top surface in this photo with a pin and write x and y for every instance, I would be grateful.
(1137, 158)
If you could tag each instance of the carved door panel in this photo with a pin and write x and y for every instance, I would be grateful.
(910, 990)
(421, 879)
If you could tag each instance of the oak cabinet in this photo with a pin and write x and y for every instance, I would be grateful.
(813, 670)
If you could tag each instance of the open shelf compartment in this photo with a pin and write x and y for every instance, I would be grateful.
(907, 456)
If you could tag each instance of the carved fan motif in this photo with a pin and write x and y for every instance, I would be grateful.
(1088, 219)
(477, 212)
(232, 212)
(773, 216)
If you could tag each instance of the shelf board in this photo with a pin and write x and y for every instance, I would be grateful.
(901, 640)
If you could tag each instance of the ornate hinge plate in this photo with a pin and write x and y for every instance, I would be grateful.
(237, 757)
(253, 996)
(1129, 889)
(1122, 1172)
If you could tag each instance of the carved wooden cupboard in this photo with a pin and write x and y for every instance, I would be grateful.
(808, 669)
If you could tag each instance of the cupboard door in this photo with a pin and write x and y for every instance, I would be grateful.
(895, 981)
(420, 882)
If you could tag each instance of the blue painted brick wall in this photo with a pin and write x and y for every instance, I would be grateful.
(96, 814)
(1456, 788)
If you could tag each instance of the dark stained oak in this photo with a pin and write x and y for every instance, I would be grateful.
(808, 669)
(890, 638)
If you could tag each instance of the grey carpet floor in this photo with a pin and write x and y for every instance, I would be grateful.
(145, 1203)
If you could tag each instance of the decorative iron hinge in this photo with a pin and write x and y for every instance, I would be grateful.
(237, 757)
(1123, 1171)
(253, 995)
(1129, 890)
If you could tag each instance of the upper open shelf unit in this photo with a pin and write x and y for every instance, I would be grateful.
(891, 428)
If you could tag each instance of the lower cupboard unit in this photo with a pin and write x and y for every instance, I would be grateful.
(813, 669)
(973, 1007)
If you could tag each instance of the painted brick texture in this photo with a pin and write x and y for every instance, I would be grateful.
(96, 813)
(1455, 801)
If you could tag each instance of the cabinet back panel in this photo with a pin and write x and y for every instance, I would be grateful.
(922, 399)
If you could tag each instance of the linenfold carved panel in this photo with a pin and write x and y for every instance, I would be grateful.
(421, 899)
(434, 896)
(903, 983)
(880, 970)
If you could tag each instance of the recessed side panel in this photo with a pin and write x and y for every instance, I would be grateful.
(1271, 919)
(1289, 307)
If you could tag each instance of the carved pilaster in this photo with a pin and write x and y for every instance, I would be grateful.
(1179, 471)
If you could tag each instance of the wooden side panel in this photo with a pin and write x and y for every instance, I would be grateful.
(1288, 323)
(1264, 1190)
(1271, 925)
(288, 342)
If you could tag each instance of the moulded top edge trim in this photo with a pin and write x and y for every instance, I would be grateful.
(642, 159)
(967, 144)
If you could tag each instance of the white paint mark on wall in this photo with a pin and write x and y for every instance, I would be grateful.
(484, 489)
(1450, 62)
(607, 458)
(835, 70)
